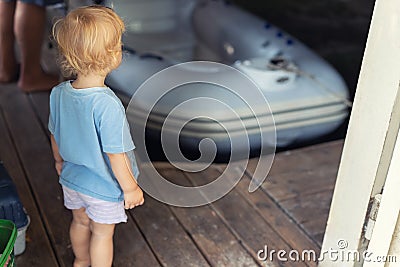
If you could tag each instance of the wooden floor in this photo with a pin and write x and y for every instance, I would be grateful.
(289, 212)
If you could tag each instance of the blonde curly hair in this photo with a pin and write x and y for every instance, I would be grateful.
(89, 40)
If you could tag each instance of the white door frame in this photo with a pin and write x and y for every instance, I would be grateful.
(371, 136)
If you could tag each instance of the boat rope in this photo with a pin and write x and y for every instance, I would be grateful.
(282, 64)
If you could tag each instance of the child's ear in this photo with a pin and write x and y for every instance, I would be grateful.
(117, 58)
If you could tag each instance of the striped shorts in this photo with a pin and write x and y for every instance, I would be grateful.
(98, 210)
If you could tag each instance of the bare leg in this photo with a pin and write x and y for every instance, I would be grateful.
(101, 244)
(80, 237)
(8, 63)
(29, 28)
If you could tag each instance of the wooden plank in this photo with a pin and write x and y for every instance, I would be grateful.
(316, 226)
(299, 175)
(279, 220)
(211, 235)
(301, 159)
(40, 103)
(169, 241)
(311, 211)
(244, 222)
(38, 248)
(319, 237)
(301, 172)
(302, 183)
(34, 148)
(130, 248)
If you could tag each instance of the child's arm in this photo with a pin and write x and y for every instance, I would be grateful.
(58, 159)
(121, 168)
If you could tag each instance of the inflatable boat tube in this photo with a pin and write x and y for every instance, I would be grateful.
(307, 96)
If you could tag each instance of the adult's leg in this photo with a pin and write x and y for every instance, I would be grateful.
(80, 237)
(8, 63)
(29, 28)
(101, 244)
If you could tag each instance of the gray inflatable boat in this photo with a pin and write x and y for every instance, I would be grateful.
(306, 95)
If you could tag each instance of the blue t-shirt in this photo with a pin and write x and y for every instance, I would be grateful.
(87, 124)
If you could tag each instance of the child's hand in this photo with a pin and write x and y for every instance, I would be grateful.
(59, 165)
(133, 198)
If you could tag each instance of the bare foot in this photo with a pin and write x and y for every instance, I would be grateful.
(41, 82)
(81, 263)
(8, 78)
(9, 74)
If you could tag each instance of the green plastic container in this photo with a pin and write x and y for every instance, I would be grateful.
(8, 234)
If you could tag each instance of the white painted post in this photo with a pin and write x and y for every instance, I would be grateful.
(388, 213)
(371, 134)
(394, 251)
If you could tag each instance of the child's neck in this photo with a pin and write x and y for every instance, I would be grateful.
(89, 80)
